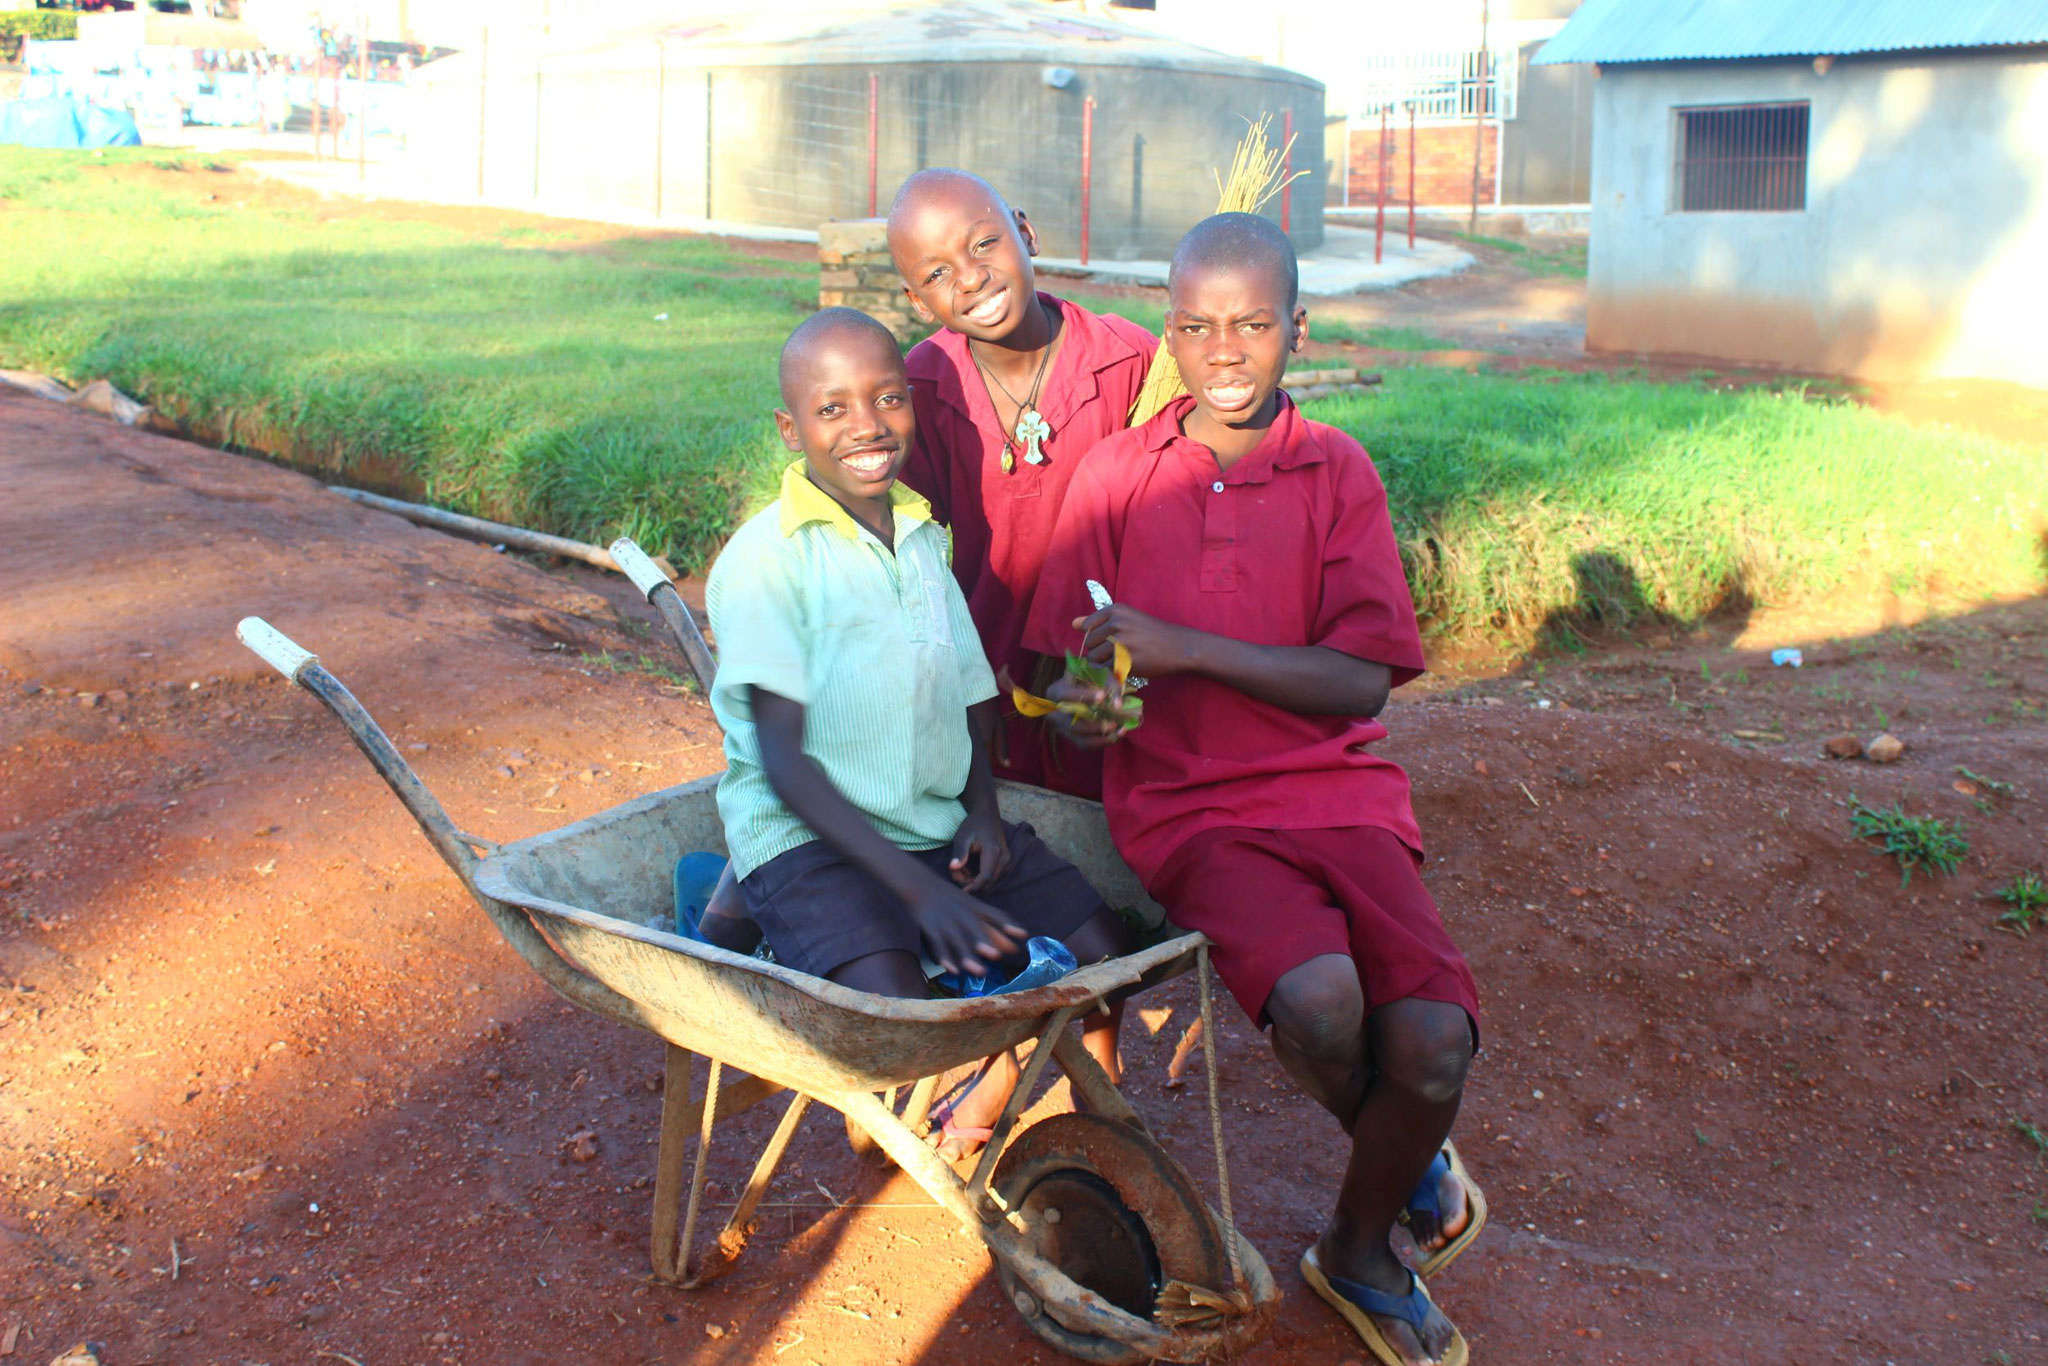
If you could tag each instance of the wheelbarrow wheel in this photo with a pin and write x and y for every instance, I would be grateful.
(1105, 1205)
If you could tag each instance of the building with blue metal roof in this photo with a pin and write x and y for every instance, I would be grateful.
(1854, 187)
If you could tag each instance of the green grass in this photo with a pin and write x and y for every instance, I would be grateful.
(1567, 259)
(1919, 843)
(529, 383)
(518, 372)
(1327, 329)
(1521, 503)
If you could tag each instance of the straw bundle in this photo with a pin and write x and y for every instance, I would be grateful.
(1256, 175)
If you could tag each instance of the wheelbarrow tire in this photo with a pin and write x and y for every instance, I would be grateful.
(1106, 1205)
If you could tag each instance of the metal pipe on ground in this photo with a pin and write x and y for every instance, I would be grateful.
(496, 533)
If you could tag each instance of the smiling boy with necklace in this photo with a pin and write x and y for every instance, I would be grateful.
(857, 799)
(1011, 396)
(1257, 583)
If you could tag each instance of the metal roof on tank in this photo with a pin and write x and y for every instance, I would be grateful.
(893, 32)
(1618, 31)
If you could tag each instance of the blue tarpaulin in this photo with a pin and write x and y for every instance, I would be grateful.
(62, 122)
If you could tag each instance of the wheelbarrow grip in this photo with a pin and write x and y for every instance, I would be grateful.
(274, 647)
(634, 563)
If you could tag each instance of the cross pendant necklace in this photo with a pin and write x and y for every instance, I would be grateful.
(1032, 427)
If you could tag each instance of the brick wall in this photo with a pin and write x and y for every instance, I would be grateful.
(1443, 163)
(854, 270)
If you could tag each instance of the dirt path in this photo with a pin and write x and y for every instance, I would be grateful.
(273, 1088)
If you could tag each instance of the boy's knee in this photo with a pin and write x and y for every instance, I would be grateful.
(1423, 1047)
(1318, 1009)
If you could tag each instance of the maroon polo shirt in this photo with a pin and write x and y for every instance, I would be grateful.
(1002, 522)
(1291, 545)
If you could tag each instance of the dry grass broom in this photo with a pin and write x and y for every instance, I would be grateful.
(1256, 175)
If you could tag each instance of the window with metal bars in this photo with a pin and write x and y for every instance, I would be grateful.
(1748, 157)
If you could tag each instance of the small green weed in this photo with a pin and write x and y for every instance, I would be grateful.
(642, 664)
(1917, 842)
(2032, 1134)
(2026, 902)
(1991, 785)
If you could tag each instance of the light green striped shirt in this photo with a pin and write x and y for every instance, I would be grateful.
(879, 649)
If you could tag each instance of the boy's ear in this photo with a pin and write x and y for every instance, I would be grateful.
(924, 315)
(1027, 232)
(786, 425)
(1300, 321)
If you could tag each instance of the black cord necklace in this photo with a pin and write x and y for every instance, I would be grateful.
(1032, 427)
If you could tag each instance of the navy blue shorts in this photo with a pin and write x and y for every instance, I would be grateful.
(820, 912)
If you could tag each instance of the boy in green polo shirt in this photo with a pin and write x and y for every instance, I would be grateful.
(856, 701)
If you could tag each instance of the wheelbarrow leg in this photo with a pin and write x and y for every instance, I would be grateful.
(732, 1239)
(682, 1119)
(668, 1165)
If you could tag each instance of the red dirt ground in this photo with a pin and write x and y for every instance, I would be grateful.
(274, 1090)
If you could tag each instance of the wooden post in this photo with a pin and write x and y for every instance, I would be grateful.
(1479, 111)
(874, 132)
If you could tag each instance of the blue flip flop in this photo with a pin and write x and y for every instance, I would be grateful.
(1424, 1201)
(1356, 1303)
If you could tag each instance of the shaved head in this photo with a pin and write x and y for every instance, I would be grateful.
(942, 185)
(829, 327)
(1234, 242)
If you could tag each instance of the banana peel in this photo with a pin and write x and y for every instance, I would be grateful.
(1121, 708)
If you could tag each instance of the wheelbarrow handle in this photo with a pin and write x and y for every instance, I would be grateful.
(275, 648)
(636, 565)
(648, 578)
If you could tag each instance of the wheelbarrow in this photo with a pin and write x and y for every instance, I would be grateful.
(1101, 1241)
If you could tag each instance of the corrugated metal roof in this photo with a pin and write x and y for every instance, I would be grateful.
(1713, 30)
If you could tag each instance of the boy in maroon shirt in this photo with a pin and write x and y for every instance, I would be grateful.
(1257, 583)
(1010, 396)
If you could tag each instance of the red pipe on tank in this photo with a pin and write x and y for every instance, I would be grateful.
(1379, 213)
(1411, 175)
(1087, 167)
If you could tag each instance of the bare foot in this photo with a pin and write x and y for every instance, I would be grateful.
(973, 1112)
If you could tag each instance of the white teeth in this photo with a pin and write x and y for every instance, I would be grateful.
(988, 309)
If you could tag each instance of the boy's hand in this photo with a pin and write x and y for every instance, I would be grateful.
(962, 933)
(979, 840)
(1087, 732)
(1156, 647)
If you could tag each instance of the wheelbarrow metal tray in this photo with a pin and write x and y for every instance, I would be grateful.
(600, 887)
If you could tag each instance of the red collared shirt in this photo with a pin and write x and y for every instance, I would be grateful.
(1002, 522)
(1291, 545)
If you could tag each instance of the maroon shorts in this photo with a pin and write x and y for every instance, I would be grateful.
(1273, 899)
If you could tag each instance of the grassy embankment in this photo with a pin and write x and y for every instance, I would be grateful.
(522, 374)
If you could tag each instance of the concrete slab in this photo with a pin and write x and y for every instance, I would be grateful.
(1343, 264)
